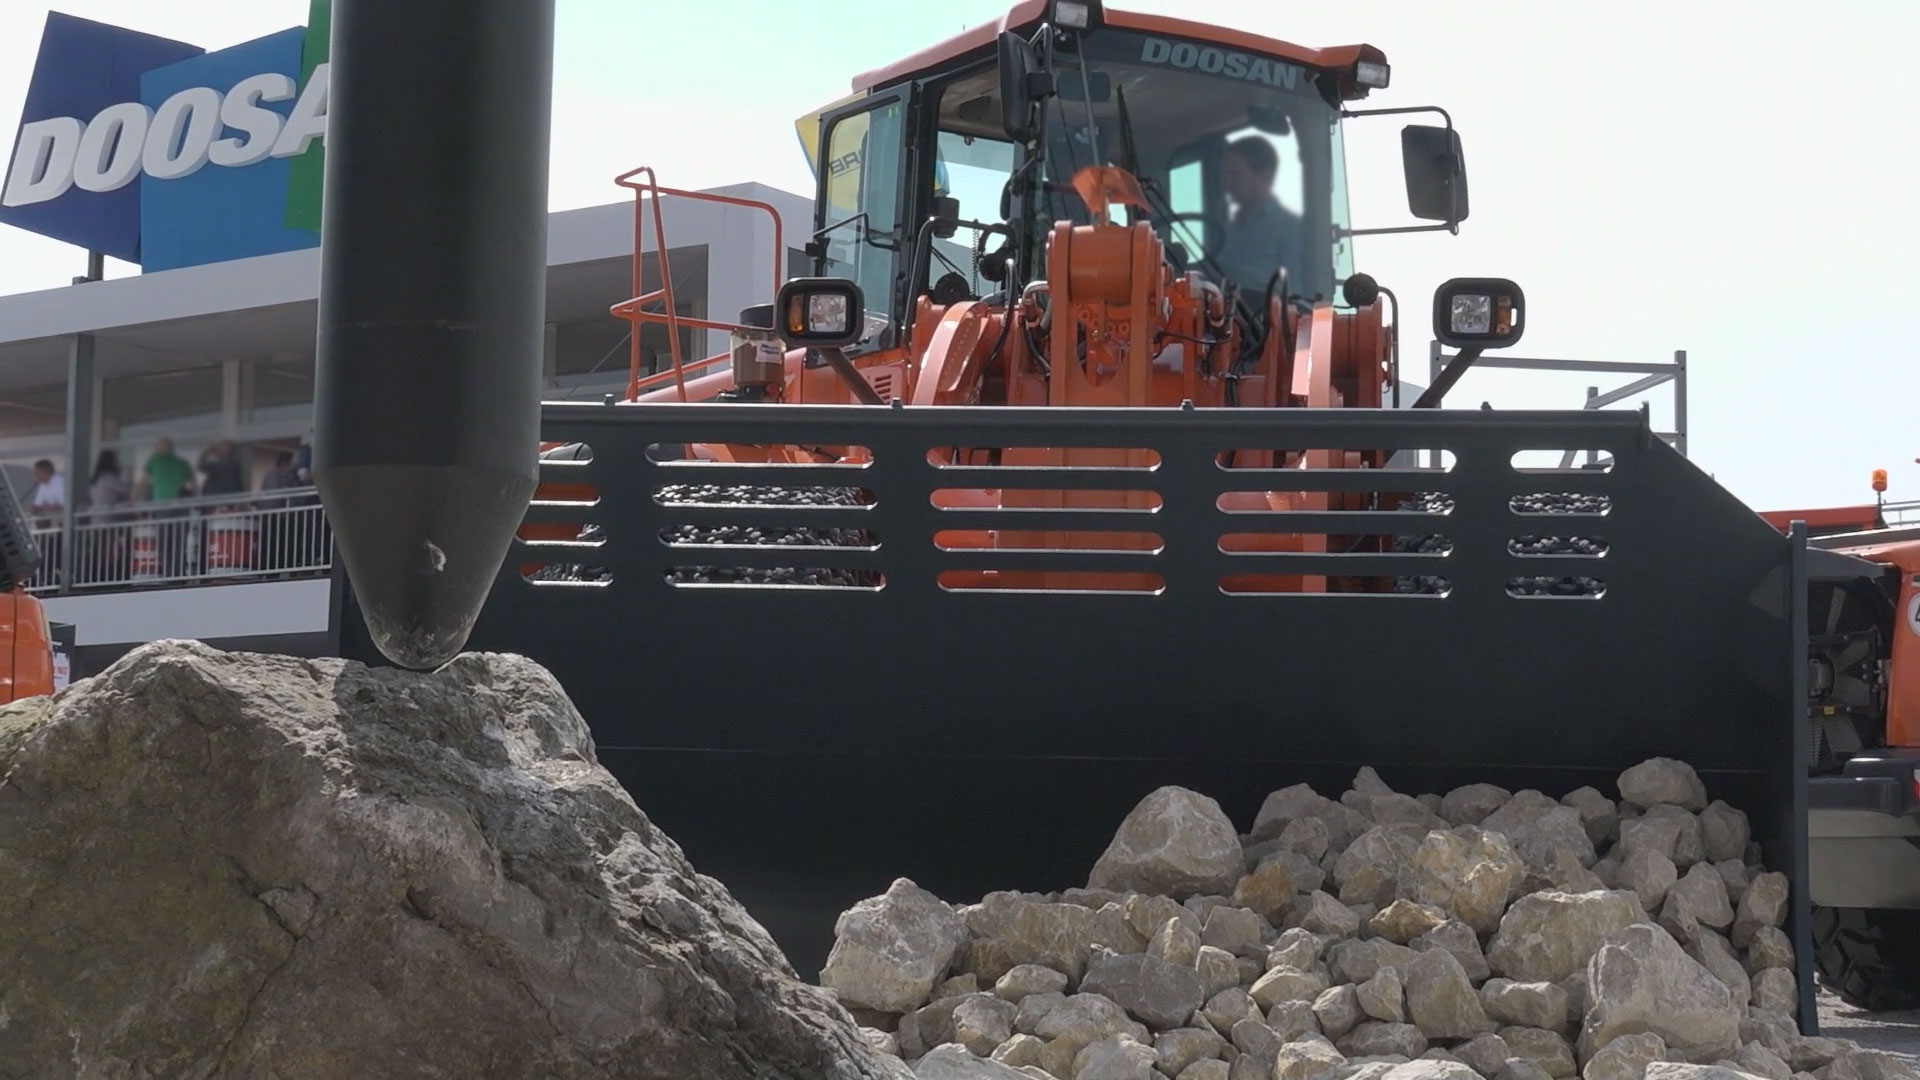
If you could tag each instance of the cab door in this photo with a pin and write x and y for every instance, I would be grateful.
(863, 215)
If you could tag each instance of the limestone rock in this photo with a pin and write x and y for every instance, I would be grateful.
(1774, 988)
(1403, 920)
(1470, 804)
(1229, 1007)
(1287, 984)
(1649, 874)
(981, 1022)
(1681, 1070)
(1432, 1069)
(1712, 952)
(1384, 996)
(1516, 1068)
(1236, 930)
(1009, 930)
(1147, 914)
(959, 985)
(1376, 1038)
(1459, 939)
(1253, 1038)
(1468, 872)
(1769, 948)
(1268, 889)
(1725, 831)
(1292, 1020)
(1547, 936)
(1019, 1050)
(891, 950)
(1355, 961)
(1563, 873)
(1217, 969)
(1247, 1067)
(880, 1042)
(1206, 1070)
(1306, 1059)
(1156, 992)
(228, 865)
(1117, 1058)
(1698, 899)
(1760, 1061)
(1538, 826)
(1175, 942)
(1027, 979)
(1544, 1048)
(951, 1061)
(1089, 1018)
(1526, 1004)
(1484, 1053)
(1368, 869)
(1035, 1008)
(1297, 948)
(1689, 839)
(1441, 1002)
(1328, 916)
(1597, 812)
(1641, 980)
(1625, 1057)
(1175, 843)
(1181, 1047)
(1765, 904)
(1735, 873)
(1663, 780)
(1338, 1010)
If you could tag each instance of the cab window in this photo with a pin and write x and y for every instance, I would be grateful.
(861, 206)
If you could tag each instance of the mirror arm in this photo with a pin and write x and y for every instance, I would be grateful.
(862, 389)
(1348, 114)
(1452, 227)
(1462, 360)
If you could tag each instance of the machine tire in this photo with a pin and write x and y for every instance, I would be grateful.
(1868, 956)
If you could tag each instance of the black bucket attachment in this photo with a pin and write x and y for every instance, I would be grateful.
(810, 722)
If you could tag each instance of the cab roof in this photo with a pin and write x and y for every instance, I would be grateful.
(1028, 13)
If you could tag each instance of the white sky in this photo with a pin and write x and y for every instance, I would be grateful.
(1729, 178)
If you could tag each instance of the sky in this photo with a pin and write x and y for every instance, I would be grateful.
(1728, 178)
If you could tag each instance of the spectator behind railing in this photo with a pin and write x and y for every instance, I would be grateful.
(165, 477)
(47, 502)
(220, 465)
(108, 493)
(107, 488)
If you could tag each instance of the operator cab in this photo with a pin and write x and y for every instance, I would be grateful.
(1235, 139)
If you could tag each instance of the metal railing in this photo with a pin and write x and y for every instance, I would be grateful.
(1899, 514)
(206, 540)
(1653, 374)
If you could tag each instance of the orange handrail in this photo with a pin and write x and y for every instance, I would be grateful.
(634, 310)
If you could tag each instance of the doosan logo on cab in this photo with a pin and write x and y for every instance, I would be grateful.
(187, 132)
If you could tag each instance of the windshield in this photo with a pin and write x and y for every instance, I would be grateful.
(1240, 149)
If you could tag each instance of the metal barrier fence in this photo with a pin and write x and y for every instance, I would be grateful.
(210, 539)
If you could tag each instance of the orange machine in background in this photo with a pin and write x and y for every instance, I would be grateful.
(27, 652)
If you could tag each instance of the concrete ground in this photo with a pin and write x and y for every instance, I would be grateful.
(1897, 1032)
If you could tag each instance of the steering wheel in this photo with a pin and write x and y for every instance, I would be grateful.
(1212, 223)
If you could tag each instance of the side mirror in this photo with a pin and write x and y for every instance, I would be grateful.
(1022, 83)
(1478, 313)
(1436, 173)
(821, 313)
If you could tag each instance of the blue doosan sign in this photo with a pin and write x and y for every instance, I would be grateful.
(163, 154)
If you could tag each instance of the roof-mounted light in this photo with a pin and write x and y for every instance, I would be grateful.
(1372, 74)
(1074, 14)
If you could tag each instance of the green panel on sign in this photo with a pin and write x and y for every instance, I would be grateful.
(307, 172)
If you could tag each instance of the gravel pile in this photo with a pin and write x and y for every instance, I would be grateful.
(1479, 935)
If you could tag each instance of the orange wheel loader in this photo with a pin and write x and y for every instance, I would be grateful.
(1863, 718)
(1078, 464)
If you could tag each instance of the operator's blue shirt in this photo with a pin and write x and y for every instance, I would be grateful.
(1263, 237)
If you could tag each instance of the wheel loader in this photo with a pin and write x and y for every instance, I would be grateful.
(1077, 466)
(1863, 705)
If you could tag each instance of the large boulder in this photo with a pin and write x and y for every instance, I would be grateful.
(1547, 936)
(227, 865)
(1642, 981)
(890, 951)
(1176, 843)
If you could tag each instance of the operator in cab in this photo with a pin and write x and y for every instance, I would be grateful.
(1262, 235)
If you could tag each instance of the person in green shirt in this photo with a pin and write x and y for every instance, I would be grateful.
(166, 474)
